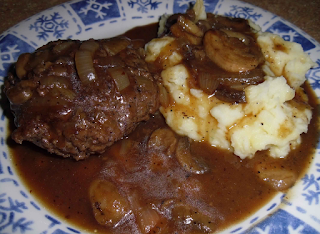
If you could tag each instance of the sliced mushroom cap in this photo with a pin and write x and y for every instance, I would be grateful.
(162, 140)
(108, 205)
(186, 160)
(277, 177)
(231, 53)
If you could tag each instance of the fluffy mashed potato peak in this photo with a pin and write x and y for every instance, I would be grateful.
(154, 48)
(270, 121)
(285, 58)
(268, 95)
(270, 118)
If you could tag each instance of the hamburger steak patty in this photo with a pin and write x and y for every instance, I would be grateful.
(76, 98)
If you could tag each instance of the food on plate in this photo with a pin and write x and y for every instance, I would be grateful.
(157, 180)
(229, 84)
(76, 98)
(154, 190)
(219, 82)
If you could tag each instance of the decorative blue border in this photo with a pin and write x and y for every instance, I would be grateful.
(82, 19)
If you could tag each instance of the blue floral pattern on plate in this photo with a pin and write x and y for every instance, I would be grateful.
(298, 211)
(289, 34)
(10, 48)
(95, 11)
(144, 6)
(46, 25)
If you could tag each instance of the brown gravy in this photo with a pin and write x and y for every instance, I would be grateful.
(233, 188)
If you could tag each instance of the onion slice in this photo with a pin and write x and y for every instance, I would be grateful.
(90, 45)
(63, 46)
(120, 77)
(84, 65)
(208, 83)
(20, 65)
(114, 45)
(145, 82)
(230, 95)
(164, 96)
(189, 26)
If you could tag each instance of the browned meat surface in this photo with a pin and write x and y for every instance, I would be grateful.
(77, 98)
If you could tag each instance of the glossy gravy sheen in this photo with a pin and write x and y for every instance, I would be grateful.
(232, 186)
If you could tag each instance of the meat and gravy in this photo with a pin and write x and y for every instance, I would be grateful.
(77, 98)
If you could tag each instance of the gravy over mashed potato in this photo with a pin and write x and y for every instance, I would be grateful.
(273, 116)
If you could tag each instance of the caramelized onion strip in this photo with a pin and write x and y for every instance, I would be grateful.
(227, 94)
(189, 26)
(62, 46)
(114, 46)
(39, 57)
(208, 83)
(178, 32)
(164, 96)
(18, 96)
(252, 77)
(84, 65)
(210, 79)
(120, 77)
(20, 65)
(145, 82)
(90, 45)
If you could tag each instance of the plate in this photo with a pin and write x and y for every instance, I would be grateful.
(298, 211)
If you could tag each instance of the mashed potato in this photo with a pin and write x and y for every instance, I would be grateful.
(270, 119)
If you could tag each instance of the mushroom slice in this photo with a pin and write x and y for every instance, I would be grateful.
(108, 205)
(186, 160)
(231, 53)
(278, 177)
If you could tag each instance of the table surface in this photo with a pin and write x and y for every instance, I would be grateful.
(302, 13)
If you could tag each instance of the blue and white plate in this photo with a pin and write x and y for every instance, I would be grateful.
(295, 212)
